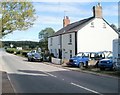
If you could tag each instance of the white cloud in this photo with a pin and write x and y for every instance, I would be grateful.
(54, 7)
(62, 8)
(48, 20)
(111, 10)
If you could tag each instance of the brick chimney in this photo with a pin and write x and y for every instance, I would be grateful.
(66, 21)
(97, 11)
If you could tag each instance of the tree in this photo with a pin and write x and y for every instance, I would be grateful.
(43, 36)
(16, 16)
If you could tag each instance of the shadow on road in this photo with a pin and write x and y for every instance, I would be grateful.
(34, 81)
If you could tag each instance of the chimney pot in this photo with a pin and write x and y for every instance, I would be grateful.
(97, 11)
(66, 21)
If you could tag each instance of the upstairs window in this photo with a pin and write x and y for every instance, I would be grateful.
(70, 39)
(59, 40)
(92, 24)
(104, 25)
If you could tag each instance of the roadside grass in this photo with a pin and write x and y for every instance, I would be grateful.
(95, 70)
(106, 72)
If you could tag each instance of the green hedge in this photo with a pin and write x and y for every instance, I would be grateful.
(24, 53)
(11, 50)
(17, 52)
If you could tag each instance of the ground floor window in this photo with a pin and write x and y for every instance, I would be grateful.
(50, 50)
(70, 53)
(55, 52)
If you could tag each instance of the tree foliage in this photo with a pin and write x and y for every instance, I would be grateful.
(16, 16)
(23, 44)
(43, 36)
(45, 33)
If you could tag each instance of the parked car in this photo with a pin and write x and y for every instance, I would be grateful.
(80, 60)
(83, 59)
(106, 63)
(34, 56)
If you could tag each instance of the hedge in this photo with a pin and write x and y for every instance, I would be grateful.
(15, 51)
(11, 50)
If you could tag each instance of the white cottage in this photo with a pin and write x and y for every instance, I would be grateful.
(88, 35)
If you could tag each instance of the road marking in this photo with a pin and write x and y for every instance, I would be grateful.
(11, 84)
(50, 74)
(85, 88)
(44, 72)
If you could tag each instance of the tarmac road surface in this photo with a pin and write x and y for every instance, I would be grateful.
(36, 77)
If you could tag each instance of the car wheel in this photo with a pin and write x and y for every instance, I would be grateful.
(28, 59)
(81, 65)
(102, 68)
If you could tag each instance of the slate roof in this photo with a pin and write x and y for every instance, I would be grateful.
(73, 27)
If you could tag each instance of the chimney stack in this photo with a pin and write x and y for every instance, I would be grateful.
(66, 21)
(97, 11)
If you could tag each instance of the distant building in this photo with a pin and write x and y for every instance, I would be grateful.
(19, 48)
(88, 35)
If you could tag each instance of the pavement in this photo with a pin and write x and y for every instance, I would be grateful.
(5, 85)
(79, 70)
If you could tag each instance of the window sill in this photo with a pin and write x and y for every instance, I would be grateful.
(69, 43)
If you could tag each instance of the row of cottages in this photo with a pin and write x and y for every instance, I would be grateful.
(88, 35)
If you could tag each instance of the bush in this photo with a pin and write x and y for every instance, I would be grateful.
(24, 53)
(17, 52)
(10, 50)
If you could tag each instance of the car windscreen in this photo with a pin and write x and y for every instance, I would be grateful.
(82, 55)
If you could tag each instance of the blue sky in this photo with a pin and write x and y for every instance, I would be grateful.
(50, 14)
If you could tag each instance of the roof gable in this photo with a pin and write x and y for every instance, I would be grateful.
(72, 27)
(111, 27)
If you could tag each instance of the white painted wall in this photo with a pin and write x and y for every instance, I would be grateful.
(55, 45)
(95, 38)
(67, 47)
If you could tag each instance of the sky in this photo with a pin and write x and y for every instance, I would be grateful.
(51, 14)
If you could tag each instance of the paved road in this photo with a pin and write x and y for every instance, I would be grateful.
(36, 77)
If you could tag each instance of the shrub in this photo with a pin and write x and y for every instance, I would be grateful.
(24, 53)
(17, 52)
(10, 50)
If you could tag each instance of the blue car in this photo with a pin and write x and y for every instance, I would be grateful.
(106, 63)
(80, 60)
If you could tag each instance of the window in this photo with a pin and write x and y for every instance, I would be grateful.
(70, 53)
(51, 39)
(51, 51)
(55, 52)
(70, 39)
(92, 24)
(60, 40)
(104, 25)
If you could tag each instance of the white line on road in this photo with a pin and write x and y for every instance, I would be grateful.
(11, 84)
(85, 88)
(44, 72)
(50, 74)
